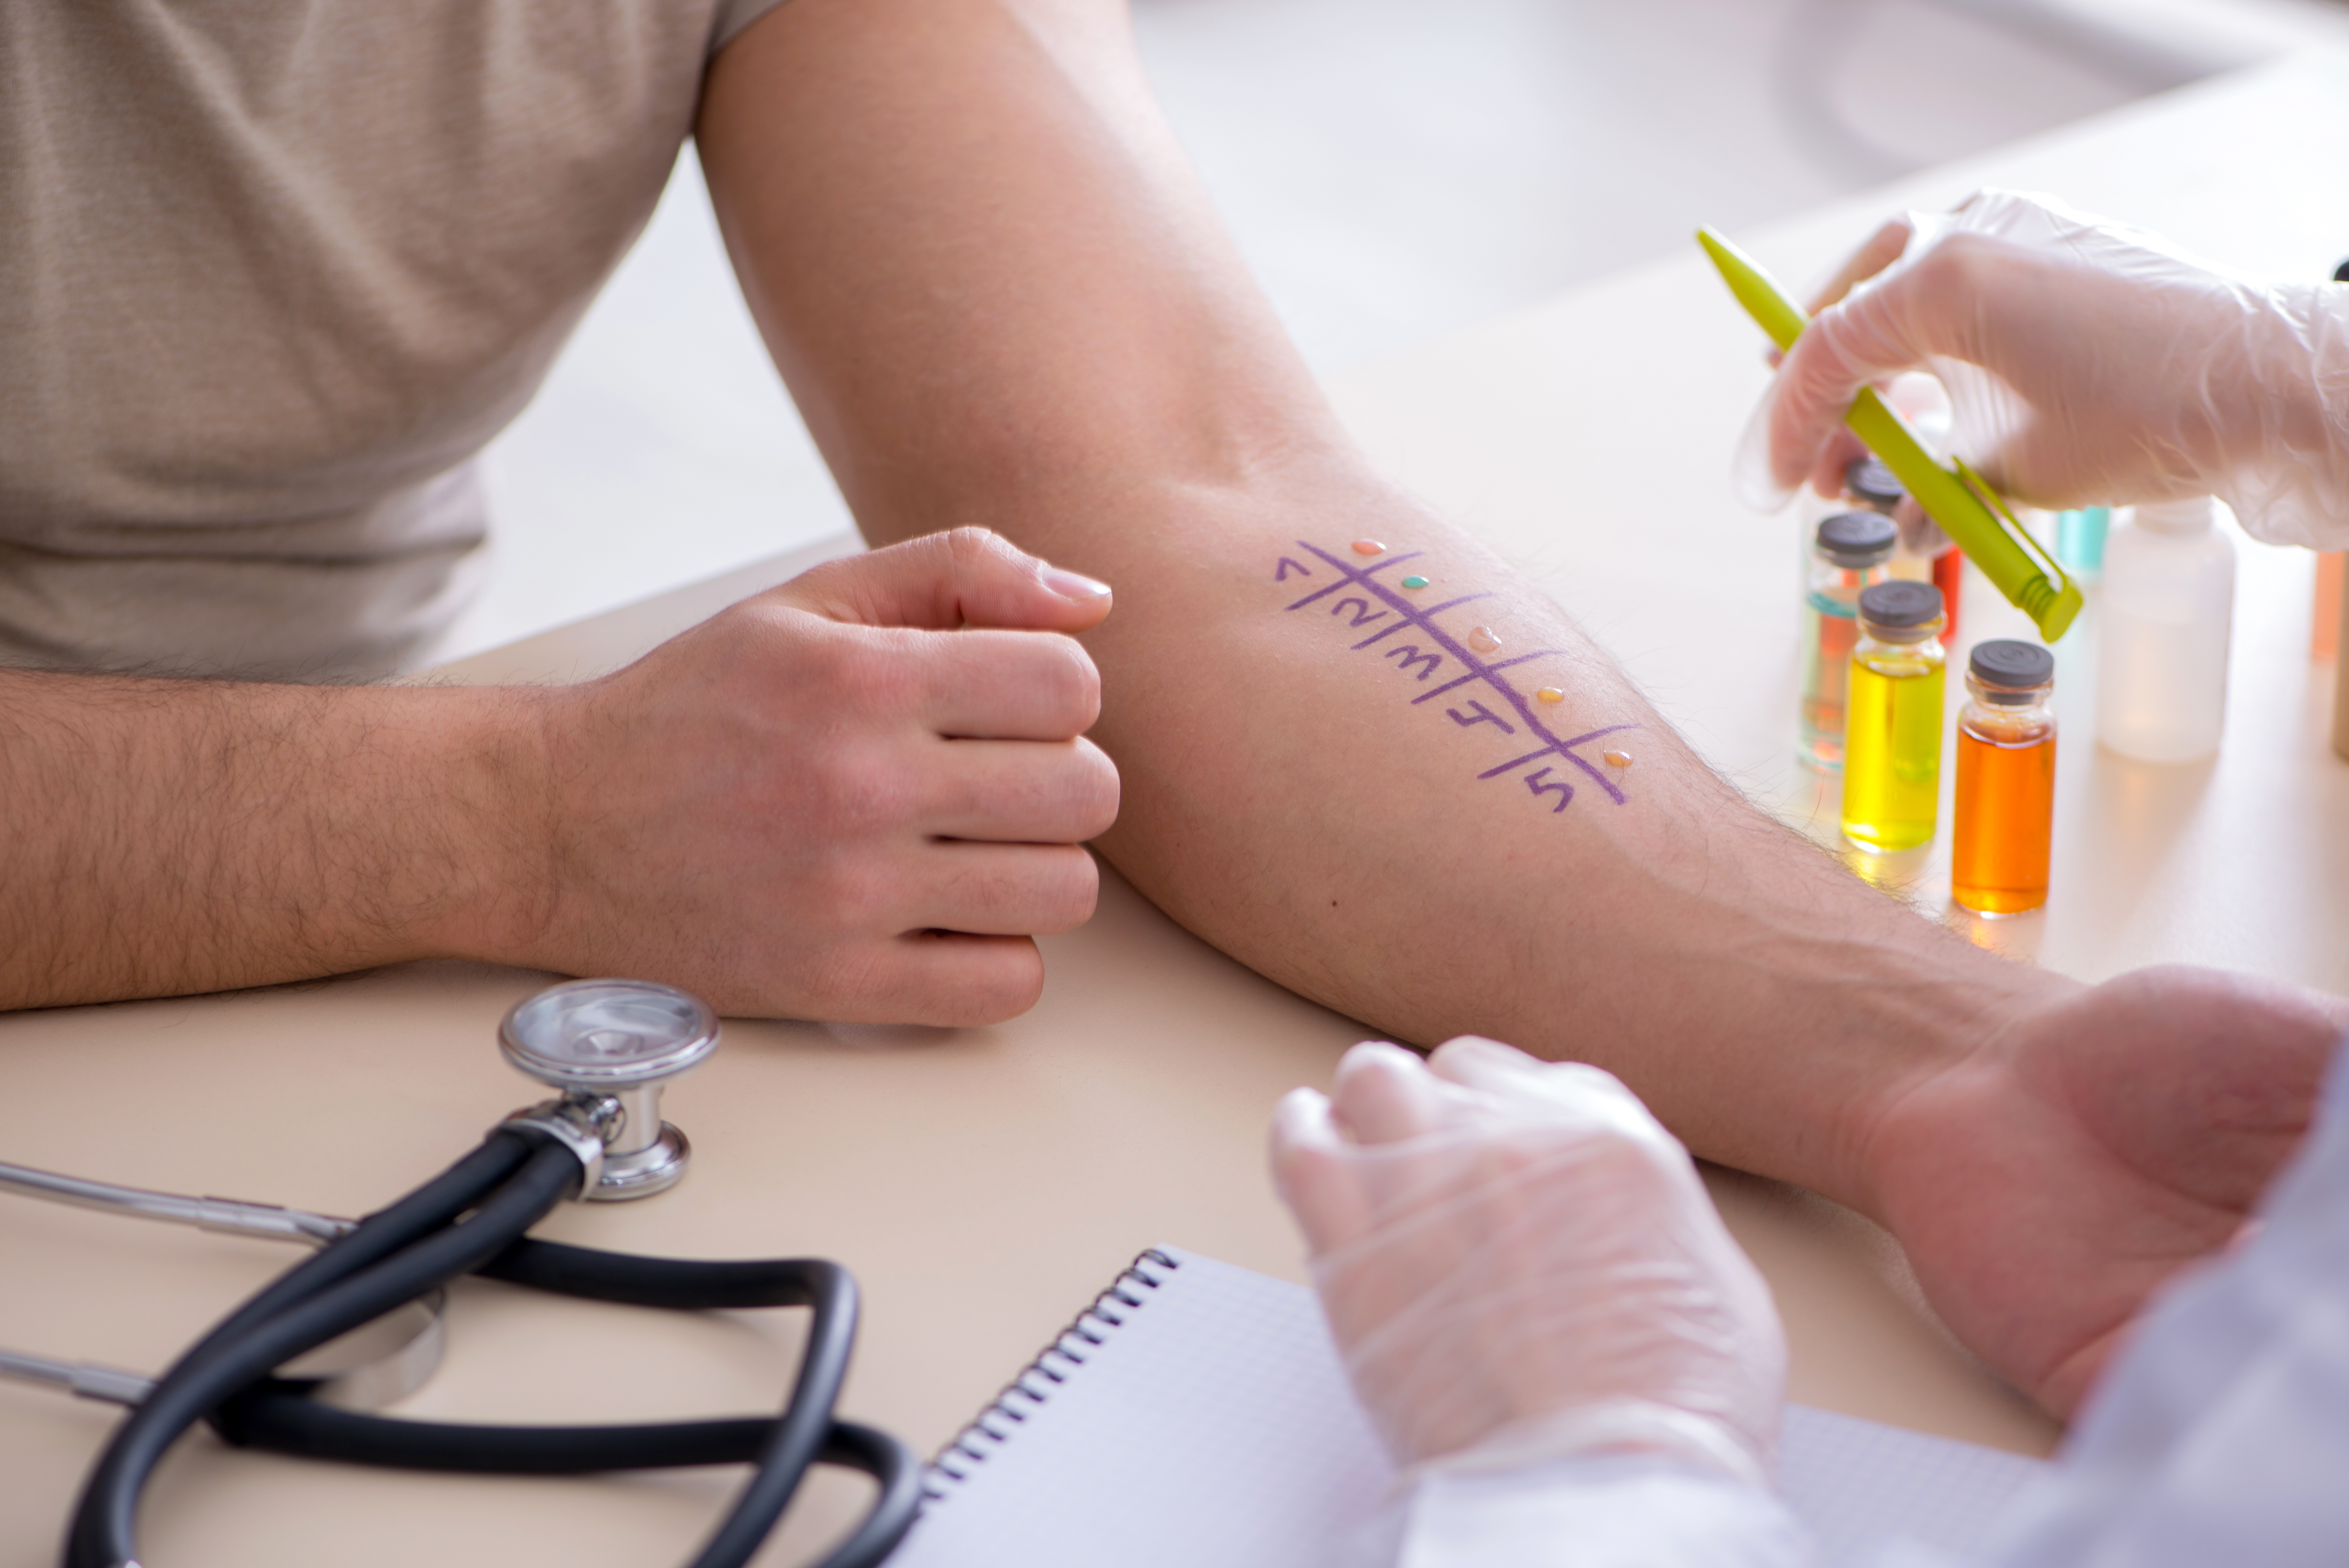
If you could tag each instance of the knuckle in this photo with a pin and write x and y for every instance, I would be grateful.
(847, 893)
(852, 794)
(970, 549)
(1070, 894)
(869, 672)
(997, 980)
(1098, 791)
(1069, 682)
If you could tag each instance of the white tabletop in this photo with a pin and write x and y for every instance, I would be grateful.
(982, 1183)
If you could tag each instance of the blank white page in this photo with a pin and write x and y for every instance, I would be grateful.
(1212, 1424)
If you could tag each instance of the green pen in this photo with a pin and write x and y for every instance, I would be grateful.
(1968, 509)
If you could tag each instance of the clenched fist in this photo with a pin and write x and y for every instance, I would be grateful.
(855, 797)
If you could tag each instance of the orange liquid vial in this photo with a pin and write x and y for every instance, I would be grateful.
(1999, 848)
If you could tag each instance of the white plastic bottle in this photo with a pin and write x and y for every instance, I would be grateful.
(2167, 613)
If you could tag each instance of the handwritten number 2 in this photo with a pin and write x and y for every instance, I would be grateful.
(1363, 615)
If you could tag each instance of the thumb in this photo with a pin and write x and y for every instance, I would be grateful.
(967, 577)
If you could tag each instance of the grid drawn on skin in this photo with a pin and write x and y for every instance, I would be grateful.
(1228, 1434)
(1409, 615)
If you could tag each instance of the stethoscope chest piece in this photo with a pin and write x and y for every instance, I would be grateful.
(620, 1039)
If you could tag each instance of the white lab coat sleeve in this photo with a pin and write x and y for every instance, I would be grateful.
(2221, 1434)
(1627, 1511)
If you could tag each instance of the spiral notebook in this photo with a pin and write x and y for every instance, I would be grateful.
(1198, 1414)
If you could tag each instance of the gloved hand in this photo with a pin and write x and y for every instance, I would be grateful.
(1520, 1264)
(2086, 364)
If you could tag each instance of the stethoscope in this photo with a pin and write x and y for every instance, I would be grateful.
(300, 1367)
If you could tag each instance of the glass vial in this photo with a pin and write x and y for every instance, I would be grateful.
(2167, 616)
(1848, 553)
(1868, 483)
(2006, 781)
(1892, 731)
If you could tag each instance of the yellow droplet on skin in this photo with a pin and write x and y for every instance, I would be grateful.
(1616, 759)
(1550, 693)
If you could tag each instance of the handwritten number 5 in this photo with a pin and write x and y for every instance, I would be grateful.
(1562, 788)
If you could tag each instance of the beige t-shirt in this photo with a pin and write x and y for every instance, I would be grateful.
(271, 274)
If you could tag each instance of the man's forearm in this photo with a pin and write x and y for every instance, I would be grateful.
(160, 836)
(998, 207)
(1350, 789)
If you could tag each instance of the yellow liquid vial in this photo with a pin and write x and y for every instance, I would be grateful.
(1892, 745)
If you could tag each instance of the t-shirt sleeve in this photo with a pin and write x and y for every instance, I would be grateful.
(733, 17)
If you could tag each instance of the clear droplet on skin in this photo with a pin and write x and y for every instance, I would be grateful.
(1616, 759)
(1550, 693)
(1369, 547)
(1481, 638)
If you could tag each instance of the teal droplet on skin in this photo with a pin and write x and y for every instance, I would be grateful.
(1414, 582)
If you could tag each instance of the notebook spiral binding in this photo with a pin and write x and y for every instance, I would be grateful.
(1033, 1388)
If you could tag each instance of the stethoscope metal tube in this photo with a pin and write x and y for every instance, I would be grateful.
(365, 1369)
(608, 1044)
(265, 1221)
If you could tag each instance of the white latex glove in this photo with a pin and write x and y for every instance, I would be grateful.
(1520, 1264)
(2086, 364)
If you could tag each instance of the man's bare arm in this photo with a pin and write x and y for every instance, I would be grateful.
(168, 836)
(1000, 298)
(835, 799)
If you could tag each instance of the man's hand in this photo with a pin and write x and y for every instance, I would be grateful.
(854, 796)
(2046, 1185)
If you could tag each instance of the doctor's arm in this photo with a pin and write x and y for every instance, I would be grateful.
(1000, 298)
(2089, 363)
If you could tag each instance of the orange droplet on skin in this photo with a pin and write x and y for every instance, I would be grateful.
(1550, 693)
(1616, 759)
(1481, 638)
(1369, 547)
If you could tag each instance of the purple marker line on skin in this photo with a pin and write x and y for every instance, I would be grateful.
(1476, 666)
(1481, 675)
(1448, 603)
(1349, 575)
(1477, 670)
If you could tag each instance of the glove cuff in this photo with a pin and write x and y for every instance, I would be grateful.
(1621, 1426)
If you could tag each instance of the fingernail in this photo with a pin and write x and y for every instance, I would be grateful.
(1071, 585)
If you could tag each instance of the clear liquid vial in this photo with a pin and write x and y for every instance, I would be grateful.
(2000, 843)
(2167, 622)
(1892, 731)
(1849, 552)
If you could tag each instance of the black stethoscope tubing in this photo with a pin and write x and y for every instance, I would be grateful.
(430, 1237)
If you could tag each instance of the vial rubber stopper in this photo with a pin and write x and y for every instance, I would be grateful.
(2021, 666)
(1869, 480)
(1901, 604)
(1856, 540)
